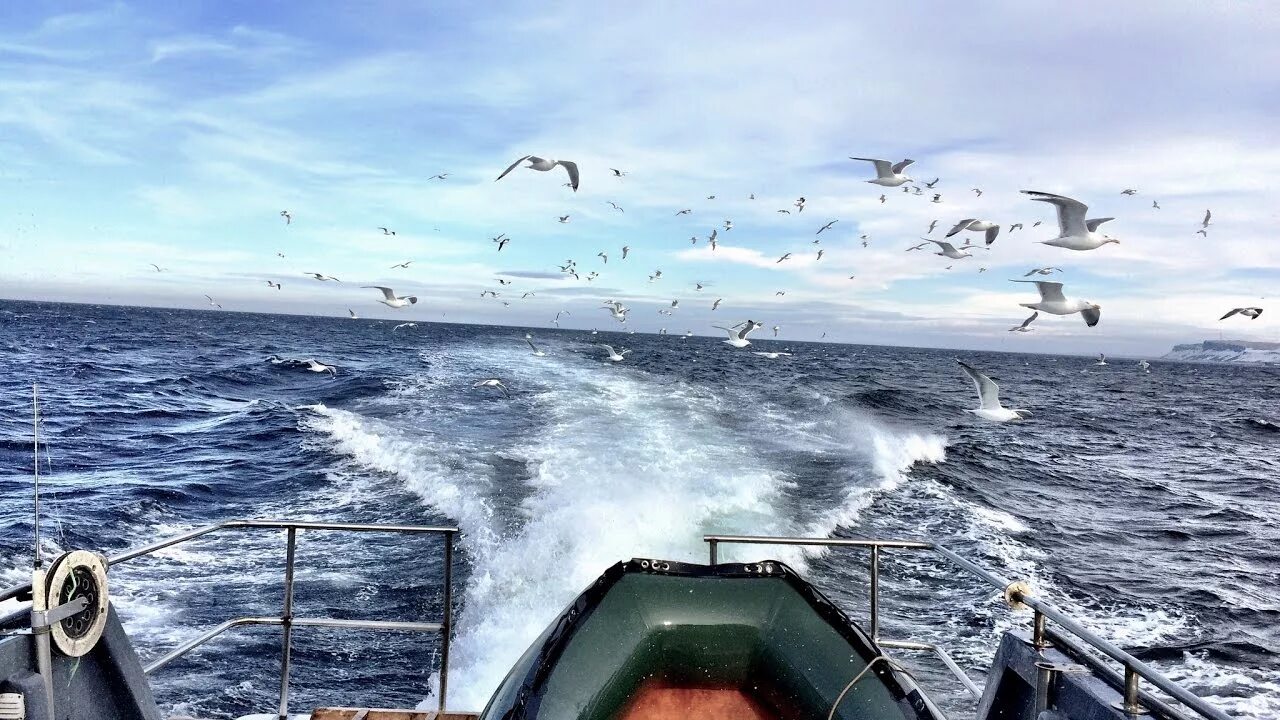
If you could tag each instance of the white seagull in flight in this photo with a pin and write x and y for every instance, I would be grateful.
(545, 164)
(1026, 324)
(492, 382)
(1054, 302)
(888, 175)
(972, 224)
(738, 338)
(614, 355)
(989, 396)
(389, 297)
(1075, 232)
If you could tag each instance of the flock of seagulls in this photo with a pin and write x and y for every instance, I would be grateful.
(1076, 232)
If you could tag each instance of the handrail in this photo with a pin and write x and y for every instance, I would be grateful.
(1019, 592)
(286, 620)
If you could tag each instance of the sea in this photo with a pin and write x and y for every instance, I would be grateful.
(1147, 504)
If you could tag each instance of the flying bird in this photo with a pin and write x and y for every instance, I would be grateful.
(738, 338)
(989, 407)
(288, 217)
(931, 184)
(625, 249)
(212, 302)
(275, 285)
(322, 278)
(390, 299)
(534, 348)
(494, 383)
(716, 304)
(614, 355)
(157, 267)
(1208, 214)
(1054, 302)
(888, 175)
(1250, 312)
(1042, 271)
(386, 231)
(784, 257)
(404, 265)
(946, 249)
(1025, 326)
(353, 314)
(543, 165)
(826, 227)
(1128, 191)
(616, 172)
(404, 325)
(932, 225)
(502, 241)
(564, 218)
(1075, 232)
(614, 205)
(974, 225)
(603, 257)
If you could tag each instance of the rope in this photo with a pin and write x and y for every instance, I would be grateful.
(887, 661)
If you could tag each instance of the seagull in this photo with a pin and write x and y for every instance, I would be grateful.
(1155, 204)
(353, 314)
(536, 351)
(288, 217)
(931, 184)
(564, 218)
(738, 338)
(614, 205)
(686, 211)
(1054, 302)
(799, 205)
(937, 198)
(275, 285)
(918, 247)
(716, 304)
(504, 282)
(386, 231)
(528, 295)
(319, 367)
(785, 212)
(279, 254)
(977, 191)
(322, 278)
(949, 250)
(1015, 226)
(820, 253)
(675, 303)
(1128, 191)
(625, 249)
(603, 257)
(492, 382)
(157, 267)
(440, 176)
(784, 257)
(1043, 271)
(882, 198)
(991, 229)
(212, 303)
(697, 287)
(1207, 215)
(502, 241)
(402, 325)
(1075, 232)
(390, 299)
(989, 396)
(1102, 359)
(693, 240)
(780, 293)
(776, 328)
(404, 265)
(711, 197)
(1250, 312)
(1144, 366)
(543, 165)
(888, 175)
(616, 172)
(932, 225)
(771, 355)
(614, 355)
(1025, 326)
(728, 225)
(826, 227)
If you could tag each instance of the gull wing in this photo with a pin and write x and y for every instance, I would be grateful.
(897, 169)
(1207, 215)
(511, 167)
(988, 391)
(1050, 291)
(1031, 319)
(1094, 223)
(531, 345)
(387, 292)
(610, 349)
(1091, 316)
(572, 168)
(962, 225)
(946, 246)
(1224, 317)
(883, 168)
(1070, 212)
(992, 233)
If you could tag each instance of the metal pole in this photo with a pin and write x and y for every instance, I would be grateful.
(1037, 631)
(875, 592)
(715, 546)
(286, 620)
(447, 625)
(1131, 704)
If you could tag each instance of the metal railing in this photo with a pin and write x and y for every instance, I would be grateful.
(286, 619)
(1133, 696)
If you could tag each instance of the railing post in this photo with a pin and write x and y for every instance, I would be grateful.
(715, 546)
(875, 592)
(1130, 704)
(1037, 631)
(286, 618)
(447, 625)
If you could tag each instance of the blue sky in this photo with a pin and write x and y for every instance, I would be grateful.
(175, 133)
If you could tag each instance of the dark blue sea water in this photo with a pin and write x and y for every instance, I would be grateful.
(1146, 503)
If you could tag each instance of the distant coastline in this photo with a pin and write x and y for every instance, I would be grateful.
(1226, 351)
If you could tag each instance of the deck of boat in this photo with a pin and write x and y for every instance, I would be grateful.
(387, 714)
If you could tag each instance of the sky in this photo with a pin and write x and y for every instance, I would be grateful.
(134, 133)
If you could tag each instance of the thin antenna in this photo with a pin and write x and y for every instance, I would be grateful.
(35, 426)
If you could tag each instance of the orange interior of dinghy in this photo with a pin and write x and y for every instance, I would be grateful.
(656, 701)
